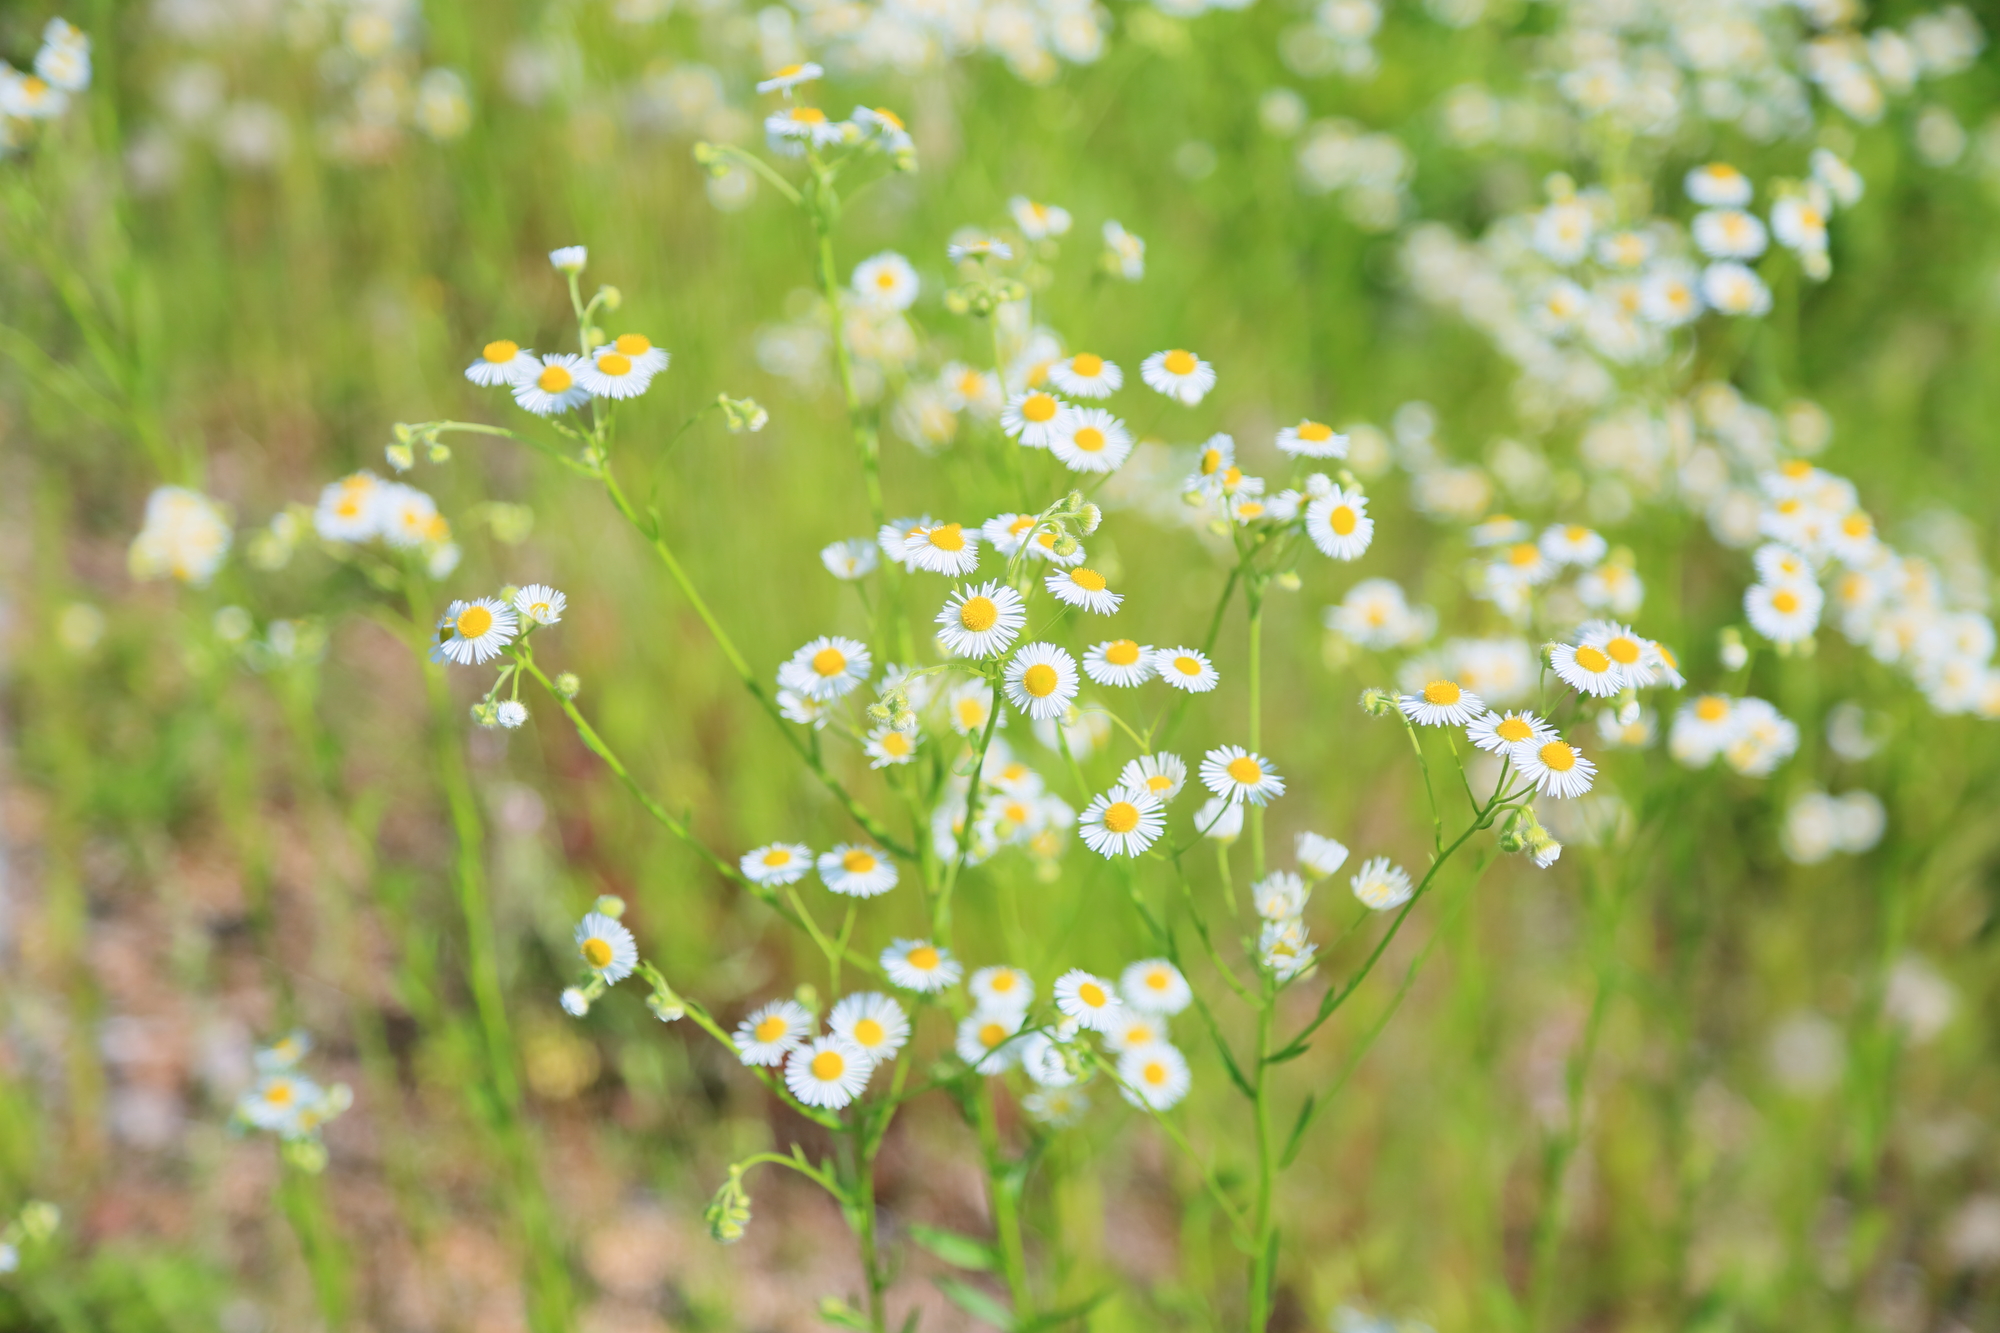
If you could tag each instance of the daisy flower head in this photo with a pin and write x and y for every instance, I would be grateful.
(969, 389)
(474, 632)
(405, 517)
(1056, 1107)
(1586, 669)
(552, 386)
(1042, 546)
(1086, 375)
(501, 363)
(828, 1072)
(886, 281)
(1319, 855)
(1178, 374)
(799, 708)
(1381, 884)
(1035, 417)
(886, 127)
(346, 508)
(827, 668)
(1573, 544)
(1798, 224)
(941, 548)
(1279, 896)
(275, 1101)
(790, 77)
(1124, 253)
(1729, 233)
(772, 1031)
(1124, 821)
(1630, 655)
(1521, 563)
(1186, 669)
(982, 620)
(1082, 587)
(1702, 729)
(569, 258)
(986, 1039)
(857, 870)
(1155, 1077)
(1235, 774)
(1219, 818)
(1312, 439)
(1842, 181)
(887, 747)
(1556, 767)
(1733, 289)
(539, 604)
(1339, 524)
(1002, 989)
(1216, 459)
(777, 863)
(1092, 440)
(791, 131)
(1135, 1029)
(1038, 222)
(1670, 296)
(1089, 999)
(1041, 680)
(637, 348)
(1286, 948)
(969, 706)
(892, 536)
(849, 560)
(606, 947)
(1784, 612)
(1718, 185)
(920, 966)
(1155, 986)
(1162, 774)
(872, 1021)
(978, 247)
(1498, 733)
(1119, 662)
(1441, 703)
(609, 373)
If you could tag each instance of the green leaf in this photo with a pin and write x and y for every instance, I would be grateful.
(955, 1248)
(840, 1314)
(1054, 1318)
(979, 1304)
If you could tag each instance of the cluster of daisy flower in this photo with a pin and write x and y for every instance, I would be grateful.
(551, 384)
(1818, 825)
(361, 508)
(474, 632)
(1284, 941)
(185, 536)
(285, 1102)
(1749, 734)
(41, 93)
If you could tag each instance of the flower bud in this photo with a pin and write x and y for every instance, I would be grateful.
(609, 904)
(567, 685)
(1378, 703)
(1734, 655)
(1288, 580)
(1089, 517)
(437, 451)
(400, 457)
(610, 297)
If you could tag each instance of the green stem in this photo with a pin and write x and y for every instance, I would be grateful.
(1005, 1196)
(1263, 1259)
(866, 441)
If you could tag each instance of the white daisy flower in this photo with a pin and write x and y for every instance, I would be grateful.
(500, 363)
(606, 947)
(1082, 587)
(1215, 461)
(986, 1040)
(827, 668)
(1049, 1057)
(1219, 818)
(969, 705)
(1798, 225)
(919, 965)
(1317, 855)
(1556, 767)
(1186, 669)
(970, 389)
(637, 348)
(1729, 233)
(569, 258)
(1718, 185)
(1381, 884)
(1279, 896)
(1124, 253)
(1522, 563)
(1630, 655)
(1135, 1029)
(1586, 669)
(275, 1101)
(849, 560)
(346, 508)
(1339, 524)
(857, 870)
(1497, 733)
(1733, 289)
(1058, 1108)
(1042, 546)
(1119, 662)
(1089, 999)
(790, 131)
(941, 548)
(1091, 441)
(978, 247)
(474, 632)
(553, 388)
(407, 518)
(1121, 822)
(1002, 989)
(510, 714)
(1007, 531)
(1035, 417)
(981, 621)
(885, 126)
(1286, 948)
(1038, 222)
(872, 1021)
(539, 604)
(1234, 773)
(1155, 986)
(1703, 728)
(1087, 375)
(1842, 181)
(1040, 680)
(892, 536)
(772, 1031)
(1670, 296)
(886, 281)
(1784, 612)
(777, 863)
(1573, 544)
(1155, 1077)
(1178, 374)
(1312, 439)
(788, 78)
(805, 711)
(887, 747)
(1162, 774)
(1441, 703)
(611, 374)
(828, 1072)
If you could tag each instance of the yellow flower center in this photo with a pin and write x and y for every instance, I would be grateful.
(1857, 524)
(1154, 1073)
(1211, 462)
(473, 621)
(786, 72)
(895, 744)
(1121, 817)
(1086, 365)
(895, 121)
(632, 345)
(886, 279)
(829, 662)
(1784, 601)
(992, 1034)
(1121, 652)
(500, 353)
(1622, 650)
(978, 614)
(1089, 439)
(808, 115)
(828, 1066)
(857, 862)
(611, 363)
(1514, 729)
(1523, 554)
(1559, 756)
(1246, 770)
(33, 86)
(869, 1032)
(1157, 979)
(1159, 782)
(947, 537)
(1592, 661)
(777, 856)
(923, 958)
(971, 712)
(1797, 469)
(1342, 520)
(279, 1093)
(554, 379)
(1789, 507)
(1187, 666)
(596, 952)
(1314, 431)
(1087, 579)
(1711, 708)
(1443, 693)
(1039, 680)
(1178, 362)
(771, 1028)
(1002, 982)
(1092, 994)
(1038, 407)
